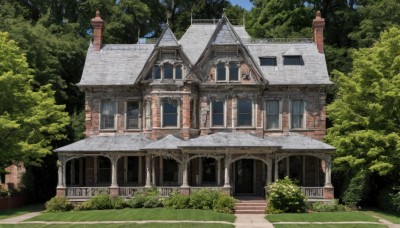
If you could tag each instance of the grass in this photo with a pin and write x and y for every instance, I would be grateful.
(20, 211)
(128, 214)
(322, 217)
(390, 216)
(147, 225)
(329, 225)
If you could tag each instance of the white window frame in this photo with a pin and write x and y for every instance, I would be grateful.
(224, 114)
(266, 115)
(227, 71)
(178, 108)
(253, 113)
(304, 122)
(115, 115)
(162, 70)
(126, 116)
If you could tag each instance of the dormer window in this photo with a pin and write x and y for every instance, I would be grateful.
(233, 71)
(294, 60)
(178, 72)
(268, 61)
(221, 72)
(156, 72)
(166, 71)
(227, 71)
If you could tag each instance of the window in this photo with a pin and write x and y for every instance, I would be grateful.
(178, 72)
(209, 170)
(132, 115)
(103, 170)
(2, 178)
(245, 112)
(168, 71)
(268, 61)
(273, 115)
(293, 60)
(107, 117)
(221, 72)
(132, 171)
(170, 113)
(233, 71)
(170, 170)
(156, 72)
(297, 114)
(217, 113)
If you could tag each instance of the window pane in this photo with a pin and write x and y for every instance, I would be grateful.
(221, 72)
(297, 112)
(217, 113)
(132, 173)
(292, 60)
(132, 115)
(168, 71)
(273, 115)
(245, 113)
(268, 61)
(170, 114)
(209, 170)
(170, 170)
(178, 72)
(233, 72)
(107, 114)
(156, 72)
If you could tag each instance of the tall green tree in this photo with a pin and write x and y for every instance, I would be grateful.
(29, 118)
(366, 119)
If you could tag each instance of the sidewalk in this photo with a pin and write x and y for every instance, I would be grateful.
(20, 218)
(252, 220)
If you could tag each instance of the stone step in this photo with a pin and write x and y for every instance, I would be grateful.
(250, 211)
(251, 204)
(250, 207)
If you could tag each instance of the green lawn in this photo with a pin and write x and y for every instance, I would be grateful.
(20, 211)
(330, 225)
(147, 225)
(321, 217)
(135, 214)
(390, 216)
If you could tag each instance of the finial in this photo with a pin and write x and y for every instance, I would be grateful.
(97, 13)
(318, 14)
(168, 17)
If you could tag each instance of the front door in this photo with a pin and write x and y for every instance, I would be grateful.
(244, 176)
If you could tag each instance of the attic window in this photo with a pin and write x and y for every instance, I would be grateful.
(268, 61)
(295, 60)
(156, 72)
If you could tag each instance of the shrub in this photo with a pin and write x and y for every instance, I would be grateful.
(137, 200)
(328, 207)
(285, 196)
(101, 202)
(117, 202)
(152, 202)
(396, 200)
(355, 190)
(177, 201)
(385, 200)
(84, 206)
(58, 203)
(3, 192)
(225, 204)
(202, 199)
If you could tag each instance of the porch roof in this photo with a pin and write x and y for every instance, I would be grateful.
(169, 142)
(299, 142)
(227, 139)
(133, 142)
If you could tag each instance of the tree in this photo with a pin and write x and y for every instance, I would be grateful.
(366, 118)
(29, 118)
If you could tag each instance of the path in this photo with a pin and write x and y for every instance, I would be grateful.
(19, 218)
(252, 220)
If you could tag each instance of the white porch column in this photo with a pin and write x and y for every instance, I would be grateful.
(269, 173)
(227, 164)
(153, 171)
(219, 172)
(184, 171)
(276, 170)
(114, 161)
(328, 171)
(61, 171)
(148, 180)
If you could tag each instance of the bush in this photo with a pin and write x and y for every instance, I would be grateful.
(285, 196)
(3, 192)
(385, 199)
(101, 202)
(117, 202)
(225, 204)
(152, 202)
(177, 201)
(355, 190)
(328, 207)
(84, 206)
(57, 204)
(396, 200)
(202, 199)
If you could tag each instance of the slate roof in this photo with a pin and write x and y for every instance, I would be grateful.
(169, 142)
(299, 142)
(225, 139)
(133, 142)
(167, 39)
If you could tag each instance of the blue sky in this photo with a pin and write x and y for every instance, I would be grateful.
(243, 3)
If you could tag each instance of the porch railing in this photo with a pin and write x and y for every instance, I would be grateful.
(313, 192)
(86, 192)
(166, 191)
(129, 191)
(195, 189)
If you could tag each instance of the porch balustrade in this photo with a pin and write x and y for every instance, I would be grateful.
(85, 192)
(129, 191)
(166, 191)
(313, 192)
(195, 189)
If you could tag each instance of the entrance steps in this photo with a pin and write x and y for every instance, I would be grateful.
(250, 206)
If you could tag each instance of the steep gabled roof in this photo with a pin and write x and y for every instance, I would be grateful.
(167, 38)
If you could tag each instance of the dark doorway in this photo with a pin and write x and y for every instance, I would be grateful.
(244, 176)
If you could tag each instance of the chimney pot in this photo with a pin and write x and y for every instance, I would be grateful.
(318, 27)
(98, 29)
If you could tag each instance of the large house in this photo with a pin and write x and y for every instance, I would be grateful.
(215, 109)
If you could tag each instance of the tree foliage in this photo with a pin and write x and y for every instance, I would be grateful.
(366, 115)
(29, 118)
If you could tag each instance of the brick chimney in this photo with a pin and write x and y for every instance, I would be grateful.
(98, 29)
(318, 27)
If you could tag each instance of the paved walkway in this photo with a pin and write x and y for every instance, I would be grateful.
(20, 218)
(252, 220)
